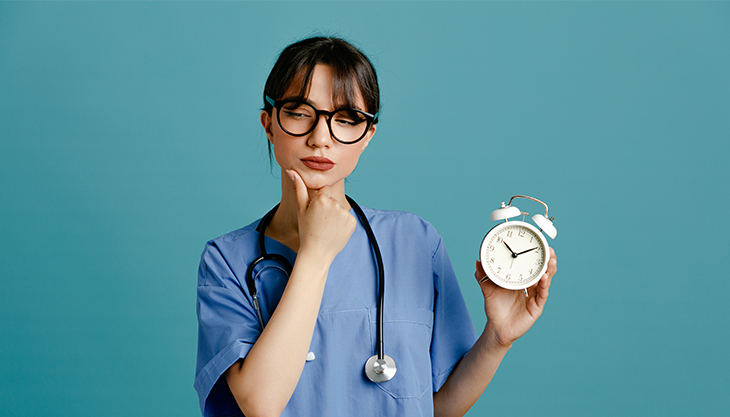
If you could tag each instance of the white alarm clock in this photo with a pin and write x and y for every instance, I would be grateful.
(515, 254)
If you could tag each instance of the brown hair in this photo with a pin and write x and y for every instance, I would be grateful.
(352, 71)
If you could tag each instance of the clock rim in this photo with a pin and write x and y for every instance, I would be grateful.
(537, 232)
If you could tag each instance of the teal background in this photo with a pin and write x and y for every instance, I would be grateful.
(130, 135)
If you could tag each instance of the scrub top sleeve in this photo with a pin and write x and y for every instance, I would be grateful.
(453, 331)
(227, 329)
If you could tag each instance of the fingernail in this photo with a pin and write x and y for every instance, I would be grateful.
(290, 174)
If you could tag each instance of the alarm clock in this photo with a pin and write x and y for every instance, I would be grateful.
(515, 254)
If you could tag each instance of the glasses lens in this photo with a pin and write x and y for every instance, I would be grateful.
(297, 118)
(348, 125)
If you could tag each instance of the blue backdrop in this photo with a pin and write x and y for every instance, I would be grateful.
(130, 135)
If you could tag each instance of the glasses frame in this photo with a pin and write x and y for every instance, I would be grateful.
(371, 119)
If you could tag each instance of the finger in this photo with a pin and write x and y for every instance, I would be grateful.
(326, 191)
(300, 189)
(551, 270)
(542, 291)
(547, 277)
(543, 286)
(552, 263)
(479, 274)
(325, 194)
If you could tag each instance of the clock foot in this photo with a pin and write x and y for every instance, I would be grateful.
(525, 291)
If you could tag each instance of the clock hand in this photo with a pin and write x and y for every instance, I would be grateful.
(525, 251)
(514, 255)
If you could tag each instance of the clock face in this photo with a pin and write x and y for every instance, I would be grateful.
(514, 255)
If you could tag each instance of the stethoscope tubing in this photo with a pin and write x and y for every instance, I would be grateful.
(251, 284)
(381, 275)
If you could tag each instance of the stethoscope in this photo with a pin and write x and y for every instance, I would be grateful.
(379, 367)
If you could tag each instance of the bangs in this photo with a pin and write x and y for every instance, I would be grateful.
(345, 89)
(353, 75)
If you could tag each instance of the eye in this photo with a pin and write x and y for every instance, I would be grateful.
(349, 118)
(295, 115)
(295, 110)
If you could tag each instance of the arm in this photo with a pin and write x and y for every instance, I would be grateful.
(264, 381)
(509, 316)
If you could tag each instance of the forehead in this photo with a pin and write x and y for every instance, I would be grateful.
(323, 86)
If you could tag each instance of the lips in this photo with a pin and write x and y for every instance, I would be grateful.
(318, 163)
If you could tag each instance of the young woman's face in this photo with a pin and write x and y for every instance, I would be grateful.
(318, 158)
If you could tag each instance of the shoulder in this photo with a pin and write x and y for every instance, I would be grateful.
(403, 226)
(397, 218)
(226, 252)
(238, 239)
(247, 232)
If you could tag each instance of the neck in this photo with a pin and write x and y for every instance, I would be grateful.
(284, 226)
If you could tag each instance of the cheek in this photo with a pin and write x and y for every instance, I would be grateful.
(283, 149)
(284, 146)
(282, 154)
(349, 160)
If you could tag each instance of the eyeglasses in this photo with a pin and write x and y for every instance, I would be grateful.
(298, 118)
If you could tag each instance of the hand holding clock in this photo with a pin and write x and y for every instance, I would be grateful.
(509, 313)
(509, 316)
(514, 293)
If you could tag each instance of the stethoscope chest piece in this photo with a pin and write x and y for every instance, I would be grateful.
(380, 370)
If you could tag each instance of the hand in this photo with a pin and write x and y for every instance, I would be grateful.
(324, 225)
(509, 313)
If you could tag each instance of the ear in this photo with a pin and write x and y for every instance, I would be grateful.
(366, 140)
(266, 122)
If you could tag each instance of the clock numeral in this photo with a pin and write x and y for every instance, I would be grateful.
(499, 239)
(499, 269)
(491, 260)
(509, 233)
(531, 237)
(521, 233)
(520, 277)
(490, 248)
(530, 273)
(508, 277)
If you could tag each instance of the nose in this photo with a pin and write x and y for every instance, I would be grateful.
(321, 136)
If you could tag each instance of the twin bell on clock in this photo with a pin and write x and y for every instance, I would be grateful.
(515, 254)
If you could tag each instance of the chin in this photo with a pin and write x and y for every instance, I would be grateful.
(317, 181)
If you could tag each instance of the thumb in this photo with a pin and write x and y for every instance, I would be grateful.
(300, 189)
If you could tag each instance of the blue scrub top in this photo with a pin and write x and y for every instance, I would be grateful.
(426, 327)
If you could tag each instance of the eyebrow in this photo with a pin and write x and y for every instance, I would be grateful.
(304, 100)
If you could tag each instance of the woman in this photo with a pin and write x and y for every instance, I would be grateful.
(302, 352)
